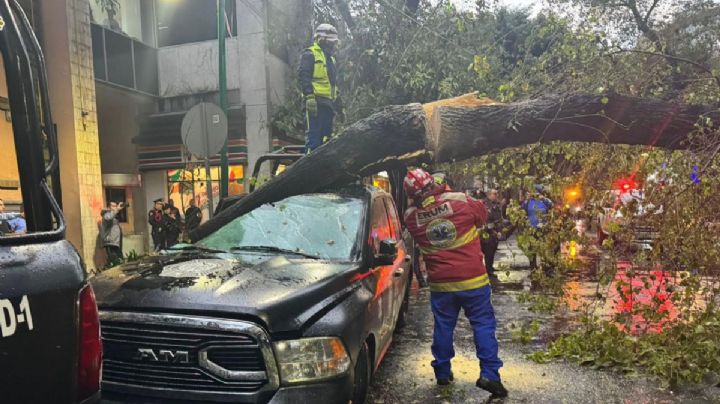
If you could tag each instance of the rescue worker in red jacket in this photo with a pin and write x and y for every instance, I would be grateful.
(445, 226)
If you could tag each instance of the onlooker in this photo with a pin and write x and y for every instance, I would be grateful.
(19, 225)
(171, 226)
(5, 218)
(193, 216)
(537, 207)
(155, 218)
(111, 233)
(490, 235)
(171, 204)
(478, 191)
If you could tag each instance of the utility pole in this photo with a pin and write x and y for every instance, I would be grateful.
(222, 86)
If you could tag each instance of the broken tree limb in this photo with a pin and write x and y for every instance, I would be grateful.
(457, 133)
(386, 135)
(468, 126)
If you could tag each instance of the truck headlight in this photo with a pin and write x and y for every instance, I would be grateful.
(311, 359)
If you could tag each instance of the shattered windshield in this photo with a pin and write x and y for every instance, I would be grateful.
(321, 225)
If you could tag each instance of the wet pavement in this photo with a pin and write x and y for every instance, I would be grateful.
(407, 377)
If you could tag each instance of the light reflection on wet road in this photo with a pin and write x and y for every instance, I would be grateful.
(407, 377)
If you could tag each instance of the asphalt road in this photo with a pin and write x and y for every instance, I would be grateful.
(406, 375)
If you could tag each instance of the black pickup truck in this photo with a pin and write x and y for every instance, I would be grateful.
(50, 350)
(294, 302)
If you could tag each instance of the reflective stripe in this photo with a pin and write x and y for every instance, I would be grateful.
(460, 286)
(428, 201)
(465, 239)
(321, 81)
(453, 196)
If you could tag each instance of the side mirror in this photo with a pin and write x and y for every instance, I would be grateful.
(387, 253)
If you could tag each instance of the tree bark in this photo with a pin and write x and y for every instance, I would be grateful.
(468, 126)
(458, 133)
(345, 13)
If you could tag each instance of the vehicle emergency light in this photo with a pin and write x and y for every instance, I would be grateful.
(625, 185)
(90, 347)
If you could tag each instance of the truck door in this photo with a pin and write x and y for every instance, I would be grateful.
(382, 306)
(402, 267)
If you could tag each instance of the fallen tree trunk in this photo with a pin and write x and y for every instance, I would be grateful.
(383, 136)
(456, 133)
(468, 126)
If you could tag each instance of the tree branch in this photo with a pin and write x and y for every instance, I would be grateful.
(650, 10)
(345, 13)
(675, 58)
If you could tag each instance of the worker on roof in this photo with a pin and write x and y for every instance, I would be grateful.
(445, 226)
(317, 75)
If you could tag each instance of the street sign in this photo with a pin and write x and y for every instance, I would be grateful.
(204, 130)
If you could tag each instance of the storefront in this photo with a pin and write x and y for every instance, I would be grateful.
(188, 184)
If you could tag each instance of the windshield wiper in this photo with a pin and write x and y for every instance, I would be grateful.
(188, 247)
(268, 248)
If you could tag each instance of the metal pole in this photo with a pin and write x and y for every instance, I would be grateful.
(222, 86)
(208, 173)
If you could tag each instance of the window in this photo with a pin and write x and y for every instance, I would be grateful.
(185, 185)
(323, 225)
(182, 22)
(394, 221)
(379, 226)
(127, 17)
(117, 195)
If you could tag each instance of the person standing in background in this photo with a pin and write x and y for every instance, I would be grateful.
(490, 234)
(111, 233)
(193, 216)
(155, 219)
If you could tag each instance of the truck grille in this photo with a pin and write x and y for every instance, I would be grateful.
(169, 357)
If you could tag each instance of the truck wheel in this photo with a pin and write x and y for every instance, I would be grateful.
(362, 376)
(402, 316)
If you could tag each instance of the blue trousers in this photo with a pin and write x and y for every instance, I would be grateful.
(319, 127)
(478, 309)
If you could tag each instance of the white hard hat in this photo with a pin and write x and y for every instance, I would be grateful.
(326, 32)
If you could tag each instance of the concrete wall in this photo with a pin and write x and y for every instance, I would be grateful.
(117, 124)
(261, 77)
(193, 68)
(68, 51)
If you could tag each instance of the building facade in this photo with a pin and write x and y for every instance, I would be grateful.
(123, 73)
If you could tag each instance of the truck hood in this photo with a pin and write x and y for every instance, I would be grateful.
(283, 293)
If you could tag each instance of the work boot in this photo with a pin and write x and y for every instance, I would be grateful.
(495, 388)
(445, 382)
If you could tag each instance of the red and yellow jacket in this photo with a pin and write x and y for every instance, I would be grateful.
(446, 228)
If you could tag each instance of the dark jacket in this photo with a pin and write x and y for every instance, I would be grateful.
(172, 228)
(193, 216)
(155, 218)
(305, 75)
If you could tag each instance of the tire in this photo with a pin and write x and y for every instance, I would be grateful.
(402, 316)
(362, 376)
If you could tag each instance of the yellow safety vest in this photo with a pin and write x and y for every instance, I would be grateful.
(321, 81)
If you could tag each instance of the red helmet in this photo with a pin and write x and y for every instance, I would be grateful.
(416, 182)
